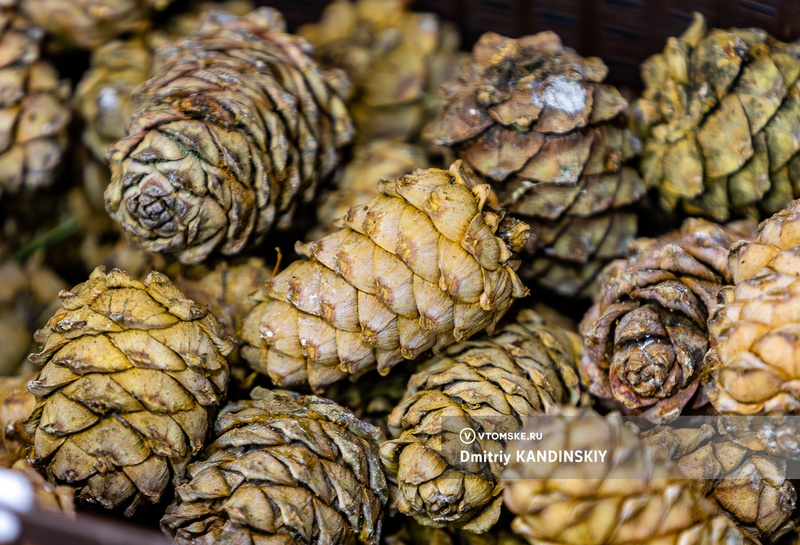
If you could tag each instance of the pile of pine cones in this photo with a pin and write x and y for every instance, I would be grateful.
(207, 374)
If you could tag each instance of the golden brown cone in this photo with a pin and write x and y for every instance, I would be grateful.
(646, 336)
(372, 162)
(132, 375)
(755, 330)
(88, 24)
(396, 59)
(34, 108)
(750, 487)
(718, 114)
(226, 141)
(284, 468)
(537, 121)
(422, 266)
(652, 506)
(493, 385)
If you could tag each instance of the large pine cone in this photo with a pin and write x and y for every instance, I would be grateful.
(646, 335)
(34, 109)
(536, 120)
(750, 487)
(372, 162)
(284, 468)
(421, 266)
(754, 335)
(719, 115)
(89, 23)
(235, 128)
(490, 385)
(132, 375)
(636, 502)
(395, 58)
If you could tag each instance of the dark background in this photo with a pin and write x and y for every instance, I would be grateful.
(622, 32)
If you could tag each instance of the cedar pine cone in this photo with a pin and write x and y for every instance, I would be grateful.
(719, 116)
(493, 384)
(234, 129)
(636, 501)
(535, 119)
(425, 264)
(132, 375)
(750, 487)
(34, 109)
(284, 468)
(754, 334)
(396, 59)
(646, 335)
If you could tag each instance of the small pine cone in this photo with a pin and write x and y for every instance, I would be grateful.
(88, 24)
(103, 96)
(132, 375)
(753, 361)
(227, 141)
(719, 115)
(421, 266)
(374, 161)
(751, 488)
(34, 106)
(536, 120)
(396, 59)
(284, 468)
(646, 335)
(637, 502)
(493, 385)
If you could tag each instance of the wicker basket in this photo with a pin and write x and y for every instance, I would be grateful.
(622, 32)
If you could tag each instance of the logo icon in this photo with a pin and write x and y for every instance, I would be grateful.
(467, 436)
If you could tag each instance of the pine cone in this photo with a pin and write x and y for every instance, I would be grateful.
(421, 266)
(490, 385)
(646, 335)
(285, 468)
(88, 24)
(133, 372)
(395, 58)
(33, 103)
(227, 140)
(753, 332)
(718, 114)
(103, 96)
(536, 120)
(750, 487)
(372, 162)
(652, 506)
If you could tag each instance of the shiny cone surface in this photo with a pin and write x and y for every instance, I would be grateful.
(535, 119)
(647, 335)
(719, 117)
(90, 23)
(235, 128)
(424, 265)
(132, 375)
(754, 361)
(650, 507)
(34, 109)
(284, 468)
(396, 59)
(749, 486)
(493, 385)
